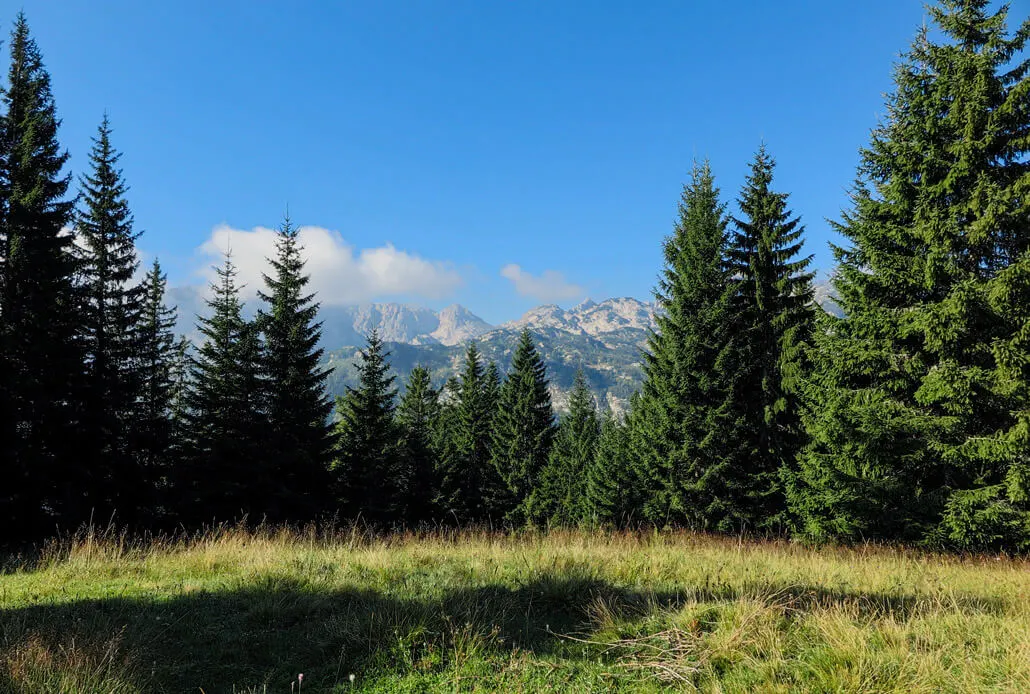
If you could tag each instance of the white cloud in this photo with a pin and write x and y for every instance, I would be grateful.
(340, 274)
(550, 286)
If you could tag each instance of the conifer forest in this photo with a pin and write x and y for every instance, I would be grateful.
(801, 495)
(905, 419)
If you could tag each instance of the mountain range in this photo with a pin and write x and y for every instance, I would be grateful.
(605, 339)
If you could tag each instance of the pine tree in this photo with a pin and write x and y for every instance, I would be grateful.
(39, 326)
(558, 497)
(417, 416)
(611, 487)
(471, 489)
(112, 309)
(299, 436)
(673, 440)
(153, 423)
(369, 440)
(226, 477)
(770, 301)
(523, 426)
(918, 410)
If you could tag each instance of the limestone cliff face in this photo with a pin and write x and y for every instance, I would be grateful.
(457, 324)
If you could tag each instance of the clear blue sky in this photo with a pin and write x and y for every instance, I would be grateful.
(473, 135)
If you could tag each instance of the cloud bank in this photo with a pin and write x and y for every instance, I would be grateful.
(340, 274)
(548, 287)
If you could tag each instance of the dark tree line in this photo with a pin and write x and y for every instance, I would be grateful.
(905, 419)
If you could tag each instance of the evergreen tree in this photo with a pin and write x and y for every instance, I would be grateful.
(523, 426)
(471, 489)
(445, 442)
(112, 310)
(672, 444)
(369, 440)
(491, 391)
(610, 486)
(40, 405)
(417, 415)
(299, 436)
(158, 353)
(175, 492)
(227, 471)
(918, 411)
(770, 301)
(559, 495)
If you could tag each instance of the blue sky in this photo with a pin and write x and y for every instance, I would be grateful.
(494, 154)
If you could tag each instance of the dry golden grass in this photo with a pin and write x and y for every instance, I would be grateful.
(242, 610)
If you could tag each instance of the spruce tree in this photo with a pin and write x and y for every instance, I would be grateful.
(152, 423)
(491, 391)
(771, 303)
(918, 410)
(299, 436)
(112, 309)
(369, 464)
(611, 490)
(40, 351)
(175, 492)
(226, 476)
(558, 496)
(471, 489)
(417, 416)
(523, 426)
(672, 443)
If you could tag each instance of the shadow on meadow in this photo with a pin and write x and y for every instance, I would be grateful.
(270, 629)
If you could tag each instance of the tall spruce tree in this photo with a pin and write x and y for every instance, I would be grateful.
(299, 436)
(153, 421)
(491, 391)
(919, 409)
(369, 465)
(417, 416)
(523, 426)
(112, 309)
(175, 492)
(40, 353)
(558, 496)
(226, 477)
(611, 490)
(673, 440)
(471, 489)
(445, 444)
(771, 303)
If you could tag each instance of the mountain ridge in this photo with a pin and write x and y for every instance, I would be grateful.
(605, 339)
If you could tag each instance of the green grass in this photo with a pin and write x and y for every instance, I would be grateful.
(235, 611)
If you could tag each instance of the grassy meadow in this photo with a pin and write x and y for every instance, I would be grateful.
(241, 611)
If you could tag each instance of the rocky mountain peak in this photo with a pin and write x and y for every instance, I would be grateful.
(589, 317)
(457, 324)
(547, 316)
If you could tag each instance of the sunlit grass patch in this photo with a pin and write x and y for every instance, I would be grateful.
(473, 611)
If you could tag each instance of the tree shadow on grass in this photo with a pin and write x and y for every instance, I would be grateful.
(276, 626)
(266, 631)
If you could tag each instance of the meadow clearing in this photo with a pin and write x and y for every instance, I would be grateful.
(235, 610)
